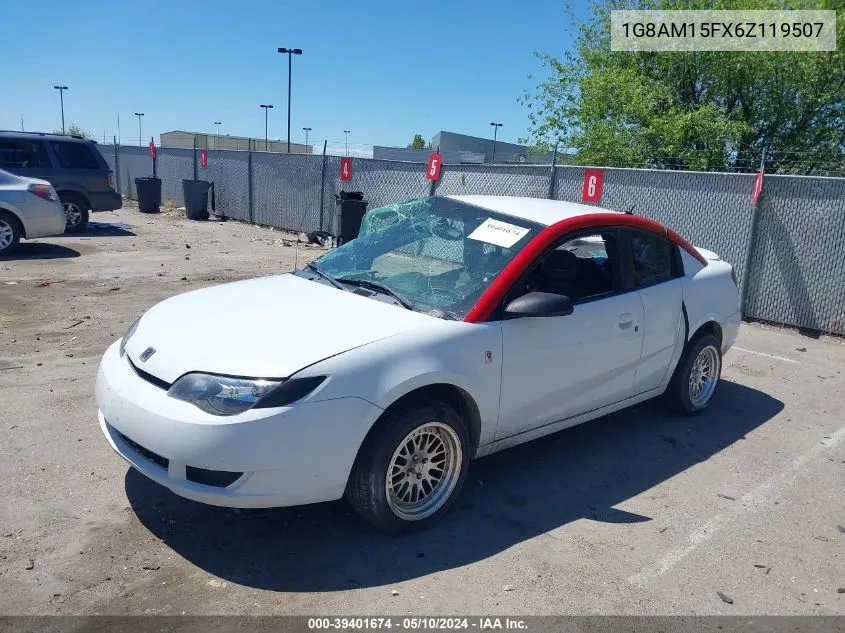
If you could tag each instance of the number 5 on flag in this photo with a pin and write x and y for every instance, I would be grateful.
(432, 171)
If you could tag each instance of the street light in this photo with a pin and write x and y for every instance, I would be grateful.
(61, 90)
(347, 141)
(290, 52)
(496, 127)
(217, 141)
(307, 129)
(266, 108)
(140, 136)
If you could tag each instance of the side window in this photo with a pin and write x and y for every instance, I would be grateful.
(75, 155)
(22, 153)
(581, 268)
(651, 259)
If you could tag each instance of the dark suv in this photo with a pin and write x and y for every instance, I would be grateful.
(72, 164)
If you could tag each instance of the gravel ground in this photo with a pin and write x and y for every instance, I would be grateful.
(737, 511)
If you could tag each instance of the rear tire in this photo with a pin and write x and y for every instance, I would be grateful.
(411, 467)
(696, 376)
(10, 233)
(76, 212)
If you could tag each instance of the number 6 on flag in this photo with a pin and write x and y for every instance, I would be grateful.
(346, 169)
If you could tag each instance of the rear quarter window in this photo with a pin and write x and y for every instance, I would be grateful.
(653, 259)
(22, 153)
(75, 155)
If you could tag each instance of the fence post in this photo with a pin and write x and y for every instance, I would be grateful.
(752, 241)
(323, 184)
(433, 187)
(553, 174)
(116, 165)
(249, 179)
(196, 175)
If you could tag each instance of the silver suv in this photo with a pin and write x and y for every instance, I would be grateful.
(72, 164)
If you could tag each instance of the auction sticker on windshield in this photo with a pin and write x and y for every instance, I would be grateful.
(498, 233)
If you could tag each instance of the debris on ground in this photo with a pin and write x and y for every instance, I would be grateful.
(841, 529)
(800, 349)
(728, 497)
(823, 539)
(72, 325)
(45, 282)
(840, 590)
(10, 283)
(394, 593)
(70, 340)
(760, 566)
(187, 245)
(30, 564)
(508, 587)
(115, 288)
(725, 598)
(152, 566)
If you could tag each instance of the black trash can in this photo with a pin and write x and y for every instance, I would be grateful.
(351, 208)
(196, 198)
(149, 194)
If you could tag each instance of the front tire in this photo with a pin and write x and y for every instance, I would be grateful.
(696, 376)
(76, 212)
(10, 233)
(411, 466)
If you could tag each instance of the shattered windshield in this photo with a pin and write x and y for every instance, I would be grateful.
(436, 253)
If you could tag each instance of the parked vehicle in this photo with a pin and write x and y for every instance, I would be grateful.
(29, 208)
(450, 328)
(72, 164)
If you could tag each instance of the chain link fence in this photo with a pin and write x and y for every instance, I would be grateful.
(797, 263)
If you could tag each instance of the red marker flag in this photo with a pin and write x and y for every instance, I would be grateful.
(758, 184)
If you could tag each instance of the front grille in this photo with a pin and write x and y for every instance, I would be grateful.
(216, 478)
(144, 452)
(158, 382)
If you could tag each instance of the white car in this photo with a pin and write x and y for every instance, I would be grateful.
(451, 328)
(29, 208)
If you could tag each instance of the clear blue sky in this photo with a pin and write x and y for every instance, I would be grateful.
(384, 69)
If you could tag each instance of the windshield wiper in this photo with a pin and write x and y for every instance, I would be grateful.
(329, 278)
(379, 287)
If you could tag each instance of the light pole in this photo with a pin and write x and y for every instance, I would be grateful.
(266, 108)
(140, 136)
(347, 141)
(290, 53)
(496, 127)
(307, 129)
(217, 140)
(61, 90)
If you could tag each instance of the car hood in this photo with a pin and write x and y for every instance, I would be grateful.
(270, 327)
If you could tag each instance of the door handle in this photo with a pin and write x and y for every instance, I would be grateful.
(626, 320)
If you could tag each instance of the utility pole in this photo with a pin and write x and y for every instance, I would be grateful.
(496, 127)
(290, 53)
(140, 136)
(266, 108)
(217, 140)
(61, 90)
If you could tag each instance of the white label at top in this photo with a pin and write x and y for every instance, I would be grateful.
(498, 233)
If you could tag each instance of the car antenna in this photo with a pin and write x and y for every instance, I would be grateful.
(630, 210)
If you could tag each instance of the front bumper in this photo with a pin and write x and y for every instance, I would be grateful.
(292, 455)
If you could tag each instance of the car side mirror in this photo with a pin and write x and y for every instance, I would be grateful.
(539, 304)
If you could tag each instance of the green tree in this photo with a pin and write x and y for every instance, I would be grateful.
(693, 110)
(74, 130)
(418, 142)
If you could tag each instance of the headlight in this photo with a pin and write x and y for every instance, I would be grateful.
(223, 395)
(220, 395)
(128, 335)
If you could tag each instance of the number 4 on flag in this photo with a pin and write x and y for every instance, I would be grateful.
(346, 169)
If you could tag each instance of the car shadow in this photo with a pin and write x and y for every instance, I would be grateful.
(104, 229)
(508, 498)
(39, 250)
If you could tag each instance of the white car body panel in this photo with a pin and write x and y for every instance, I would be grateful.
(320, 322)
(586, 360)
(38, 217)
(522, 378)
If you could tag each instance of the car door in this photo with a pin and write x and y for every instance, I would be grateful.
(80, 169)
(25, 157)
(654, 271)
(557, 367)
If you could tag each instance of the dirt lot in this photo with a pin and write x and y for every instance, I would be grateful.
(639, 512)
